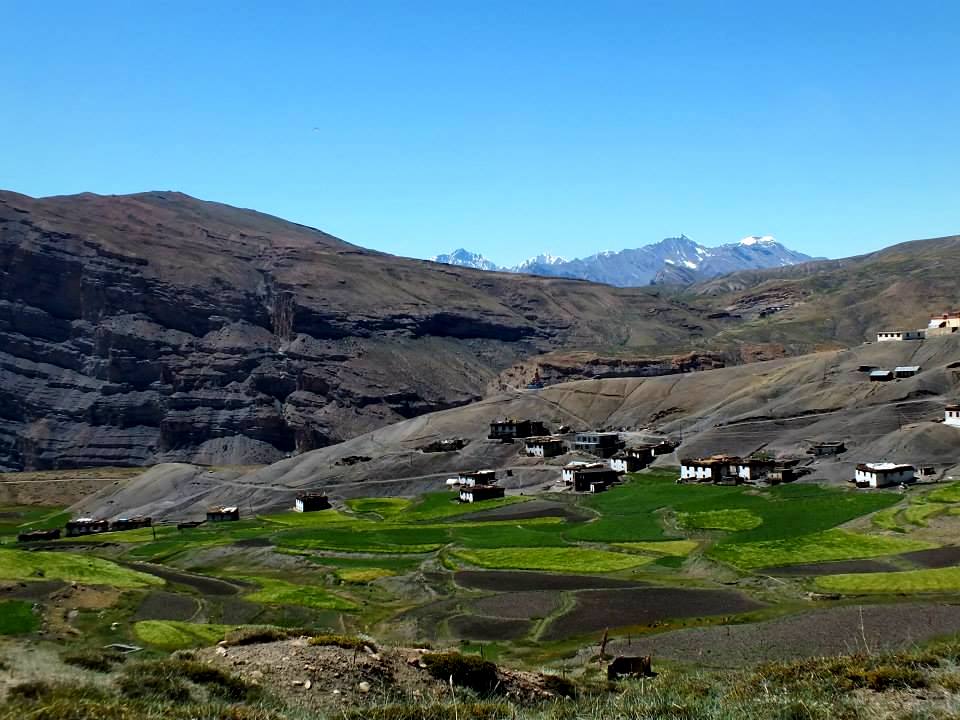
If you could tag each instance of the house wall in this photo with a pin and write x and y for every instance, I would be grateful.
(695, 472)
(952, 417)
(875, 479)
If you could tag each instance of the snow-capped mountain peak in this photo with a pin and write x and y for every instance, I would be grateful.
(758, 240)
(465, 258)
(676, 260)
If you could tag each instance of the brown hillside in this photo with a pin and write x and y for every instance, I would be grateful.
(151, 327)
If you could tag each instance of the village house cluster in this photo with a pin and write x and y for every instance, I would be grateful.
(945, 324)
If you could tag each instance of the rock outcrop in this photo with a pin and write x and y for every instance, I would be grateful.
(157, 327)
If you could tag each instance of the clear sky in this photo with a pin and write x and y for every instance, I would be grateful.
(506, 127)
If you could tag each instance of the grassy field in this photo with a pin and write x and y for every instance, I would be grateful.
(24, 565)
(15, 519)
(280, 592)
(670, 548)
(732, 520)
(172, 635)
(945, 580)
(17, 617)
(381, 562)
(565, 559)
(816, 547)
(948, 494)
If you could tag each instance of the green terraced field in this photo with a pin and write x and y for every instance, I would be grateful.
(816, 547)
(281, 592)
(24, 565)
(909, 581)
(173, 635)
(732, 520)
(567, 559)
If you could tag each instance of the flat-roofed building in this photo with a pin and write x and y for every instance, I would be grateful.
(476, 493)
(876, 475)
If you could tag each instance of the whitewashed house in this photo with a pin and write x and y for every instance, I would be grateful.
(900, 335)
(754, 470)
(952, 415)
(712, 469)
(905, 371)
(945, 324)
(476, 477)
(476, 493)
(876, 475)
(570, 468)
(544, 447)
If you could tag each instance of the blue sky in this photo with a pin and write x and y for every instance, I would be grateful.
(509, 128)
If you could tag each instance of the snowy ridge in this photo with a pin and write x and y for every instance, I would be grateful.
(677, 260)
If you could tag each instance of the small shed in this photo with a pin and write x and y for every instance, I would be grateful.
(223, 514)
(906, 371)
(39, 535)
(881, 375)
(311, 502)
(476, 493)
(86, 526)
(132, 523)
(825, 449)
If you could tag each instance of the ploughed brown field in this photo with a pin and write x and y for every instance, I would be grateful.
(831, 568)
(597, 610)
(163, 605)
(519, 581)
(936, 558)
(489, 629)
(518, 605)
(819, 633)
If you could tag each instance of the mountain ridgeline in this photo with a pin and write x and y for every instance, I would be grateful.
(676, 261)
(157, 327)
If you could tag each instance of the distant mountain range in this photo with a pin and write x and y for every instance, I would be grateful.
(677, 260)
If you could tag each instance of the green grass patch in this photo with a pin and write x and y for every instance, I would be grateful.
(498, 535)
(363, 575)
(175, 635)
(672, 548)
(15, 519)
(816, 547)
(557, 559)
(919, 513)
(366, 538)
(444, 504)
(384, 507)
(948, 494)
(25, 565)
(281, 592)
(887, 519)
(17, 617)
(908, 581)
(732, 520)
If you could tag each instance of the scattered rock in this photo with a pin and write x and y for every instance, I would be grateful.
(364, 687)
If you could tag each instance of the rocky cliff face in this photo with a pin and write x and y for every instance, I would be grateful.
(153, 327)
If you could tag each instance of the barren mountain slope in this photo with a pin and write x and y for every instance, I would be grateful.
(143, 328)
(841, 302)
(781, 406)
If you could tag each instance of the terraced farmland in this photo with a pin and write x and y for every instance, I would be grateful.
(647, 556)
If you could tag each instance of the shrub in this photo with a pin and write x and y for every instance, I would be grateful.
(96, 660)
(257, 635)
(462, 711)
(564, 687)
(466, 670)
(347, 642)
(165, 679)
(48, 692)
(888, 677)
(153, 681)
